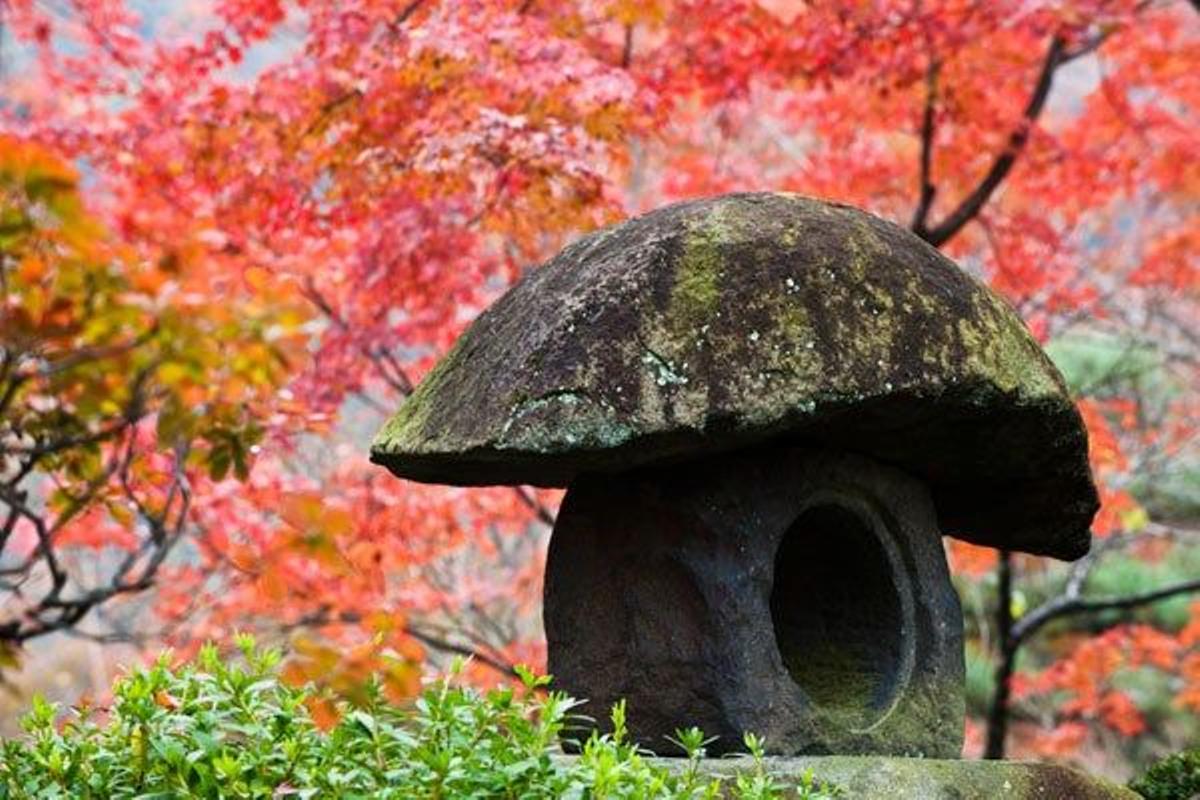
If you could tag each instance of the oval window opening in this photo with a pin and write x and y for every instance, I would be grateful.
(837, 614)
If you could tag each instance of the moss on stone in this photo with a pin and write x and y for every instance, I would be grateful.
(407, 429)
(696, 293)
(721, 323)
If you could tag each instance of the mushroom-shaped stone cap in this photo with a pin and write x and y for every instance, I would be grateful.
(733, 321)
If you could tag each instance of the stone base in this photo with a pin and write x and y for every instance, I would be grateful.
(885, 778)
(802, 595)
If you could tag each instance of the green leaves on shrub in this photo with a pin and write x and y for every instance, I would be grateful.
(231, 729)
(1176, 777)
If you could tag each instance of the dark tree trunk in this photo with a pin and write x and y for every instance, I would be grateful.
(997, 724)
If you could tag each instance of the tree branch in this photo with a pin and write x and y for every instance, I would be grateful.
(539, 510)
(1070, 606)
(427, 638)
(926, 187)
(998, 711)
(59, 609)
(509, 670)
(389, 368)
(407, 12)
(47, 448)
(1003, 164)
(1013, 634)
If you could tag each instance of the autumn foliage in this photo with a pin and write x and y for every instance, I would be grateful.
(293, 208)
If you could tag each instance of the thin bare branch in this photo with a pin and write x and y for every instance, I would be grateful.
(389, 368)
(543, 514)
(407, 12)
(1065, 606)
(425, 636)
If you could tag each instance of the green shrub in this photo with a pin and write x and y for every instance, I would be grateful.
(215, 729)
(1176, 777)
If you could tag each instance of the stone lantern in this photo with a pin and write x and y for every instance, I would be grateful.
(767, 410)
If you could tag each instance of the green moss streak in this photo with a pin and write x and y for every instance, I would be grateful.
(696, 294)
(407, 430)
(998, 348)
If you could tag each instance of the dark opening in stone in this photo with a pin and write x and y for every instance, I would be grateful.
(837, 613)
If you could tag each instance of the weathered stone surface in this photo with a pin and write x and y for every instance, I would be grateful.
(713, 325)
(880, 778)
(800, 595)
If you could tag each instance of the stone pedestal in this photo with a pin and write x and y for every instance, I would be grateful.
(877, 778)
(798, 594)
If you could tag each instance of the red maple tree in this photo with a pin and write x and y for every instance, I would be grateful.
(368, 175)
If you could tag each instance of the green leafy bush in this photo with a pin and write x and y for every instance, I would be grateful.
(216, 729)
(1176, 777)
